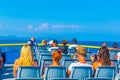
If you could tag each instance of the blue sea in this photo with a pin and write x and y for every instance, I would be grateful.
(13, 52)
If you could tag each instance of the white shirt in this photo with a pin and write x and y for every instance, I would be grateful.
(73, 45)
(77, 64)
(118, 54)
(52, 48)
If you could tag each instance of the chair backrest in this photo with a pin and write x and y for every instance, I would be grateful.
(28, 72)
(71, 51)
(89, 61)
(88, 55)
(53, 49)
(81, 72)
(106, 72)
(55, 72)
(42, 47)
(98, 79)
(116, 64)
(44, 56)
(28, 79)
(64, 57)
(113, 53)
(67, 62)
(64, 79)
(45, 63)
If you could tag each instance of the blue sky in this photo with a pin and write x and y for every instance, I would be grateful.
(95, 20)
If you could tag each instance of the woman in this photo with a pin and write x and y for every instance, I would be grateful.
(64, 47)
(25, 59)
(56, 56)
(103, 59)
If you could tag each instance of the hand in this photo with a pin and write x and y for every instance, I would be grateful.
(92, 57)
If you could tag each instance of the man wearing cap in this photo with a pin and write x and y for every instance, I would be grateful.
(81, 54)
(54, 45)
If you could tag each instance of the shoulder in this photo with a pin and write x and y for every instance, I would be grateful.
(112, 63)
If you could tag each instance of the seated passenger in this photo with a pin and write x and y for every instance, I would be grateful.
(103, 59)
(25, 59)
(74, 44)
(64, 47)
(115, 46)
(44, 42)
(56, 57)
(54, 45)
(1, 60)
(81, 55)
(32, 42)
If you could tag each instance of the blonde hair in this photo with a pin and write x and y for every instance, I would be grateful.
(81, 50)
(26, 57)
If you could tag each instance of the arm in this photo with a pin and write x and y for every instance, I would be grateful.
(68, 73)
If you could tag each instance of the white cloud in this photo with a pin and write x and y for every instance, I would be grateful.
(45, 27)
(42, 27)
(29, 27)
(66, 26)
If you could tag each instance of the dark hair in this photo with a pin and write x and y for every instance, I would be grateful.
(64, 42)
(74, 41)
(115, 45)
(55, 41)
(104, 56)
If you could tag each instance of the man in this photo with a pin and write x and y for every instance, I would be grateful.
(74, 44)
(54, 45)
(32, 42)
(81, 54)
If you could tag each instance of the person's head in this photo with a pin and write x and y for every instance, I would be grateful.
(44, 42)
(55, 43)
(56, 56)
(64, 42)
(104, 57)
(74, 41)
(104, 46)
(115, 45)
(81, 54)
(26, 56)
(32, 39)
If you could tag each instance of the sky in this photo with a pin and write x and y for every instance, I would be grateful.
(89, 20)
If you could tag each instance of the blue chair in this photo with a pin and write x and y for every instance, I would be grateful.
(105, 72)
(28, 72)
(89, 61)
(71, 51)
(55, 72)
(44, 56)
(67, 62)
(42, 48)
(54, 50)
(64, 79)
(45, 63)
(113, 53)
(28, 79)
(98, 79)
(64, 57)
(116, 64)
(81, 72)
(88, 55)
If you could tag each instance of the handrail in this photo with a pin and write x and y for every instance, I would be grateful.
(21, 44)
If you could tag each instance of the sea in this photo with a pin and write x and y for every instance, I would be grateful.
(13, 52)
